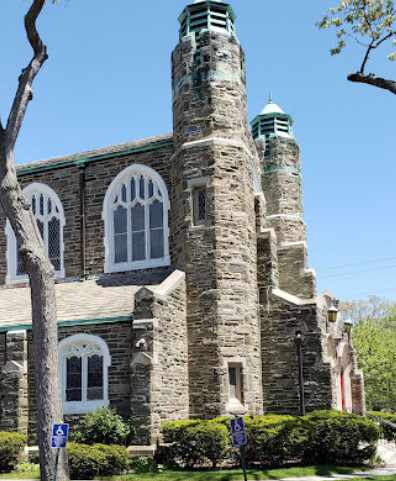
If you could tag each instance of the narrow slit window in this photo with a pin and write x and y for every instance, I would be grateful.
(235, 382)
(200, 205)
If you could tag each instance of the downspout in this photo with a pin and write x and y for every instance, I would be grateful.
(82, 221)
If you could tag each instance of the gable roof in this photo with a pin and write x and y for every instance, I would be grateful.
(109, 298)
(82, 158)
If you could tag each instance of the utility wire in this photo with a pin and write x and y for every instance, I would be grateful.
(359, 263)
(355, 273)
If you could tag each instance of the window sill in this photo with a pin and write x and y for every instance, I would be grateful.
(134, 266)
(83, 407)
(25, 279)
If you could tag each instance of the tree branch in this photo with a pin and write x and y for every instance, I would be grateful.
(24, 92)
(366, 57)
(371, 79)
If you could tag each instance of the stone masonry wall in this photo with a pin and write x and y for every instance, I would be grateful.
(280, 363)
(66, 183)
(213, 144)
(159, 373)
(281, 181)
(118, 338)
(282, 316)
(13, 383)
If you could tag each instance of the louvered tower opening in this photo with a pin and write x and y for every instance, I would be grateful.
(207, 15)
(272, 122)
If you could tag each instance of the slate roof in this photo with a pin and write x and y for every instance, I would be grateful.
(147, 143)
(107, 298)
(75, 301)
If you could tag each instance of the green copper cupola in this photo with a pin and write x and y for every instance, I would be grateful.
(207, 15)
(272, 122)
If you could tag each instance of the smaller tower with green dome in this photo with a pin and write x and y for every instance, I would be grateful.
(279, 152)
(272, 122)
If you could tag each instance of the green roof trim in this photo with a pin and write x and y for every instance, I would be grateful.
(84, 160)
(70, 323)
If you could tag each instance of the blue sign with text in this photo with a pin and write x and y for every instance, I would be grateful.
(238, 432)
(60, 434)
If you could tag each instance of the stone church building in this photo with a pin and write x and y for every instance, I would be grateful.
(181, 263)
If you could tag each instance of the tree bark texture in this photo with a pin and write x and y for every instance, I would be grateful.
(371, 79)
(35, 261)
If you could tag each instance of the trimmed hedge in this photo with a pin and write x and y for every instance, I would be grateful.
(86, 461)
(194, 443)
(387, 423)
(11, 449)
(322, 437)
(340, 438)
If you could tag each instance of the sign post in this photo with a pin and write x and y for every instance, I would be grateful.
(59, 437)
(239, 440)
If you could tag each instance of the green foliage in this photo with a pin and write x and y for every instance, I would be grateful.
(274, 440)
(87, 461)
(194, 443)
(26, 467)
(117, 458)
(370, 23)
(143, 464)
(375, 342)
(102, 426)
(387, 423)
(340, 438)
(11, 448)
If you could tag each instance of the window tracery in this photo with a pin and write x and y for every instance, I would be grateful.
(48, 212)
(136, 221)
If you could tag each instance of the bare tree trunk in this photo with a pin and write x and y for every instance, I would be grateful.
(37, 265)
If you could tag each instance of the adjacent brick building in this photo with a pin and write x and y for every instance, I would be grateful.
(181, 261)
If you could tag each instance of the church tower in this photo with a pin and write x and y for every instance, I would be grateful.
(213, 213)
(273, 132)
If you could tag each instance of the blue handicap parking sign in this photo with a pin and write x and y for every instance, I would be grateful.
(60, 434)
(238, 432)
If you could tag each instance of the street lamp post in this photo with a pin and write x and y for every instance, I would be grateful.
(298, 341)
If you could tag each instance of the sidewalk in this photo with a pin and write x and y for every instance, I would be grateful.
(357, 474)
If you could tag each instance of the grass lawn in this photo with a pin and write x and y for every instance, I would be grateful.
(229, 475)
(236, 474)
(15, 475)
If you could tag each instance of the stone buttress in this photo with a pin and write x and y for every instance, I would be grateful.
(213, 152)
(287, 289)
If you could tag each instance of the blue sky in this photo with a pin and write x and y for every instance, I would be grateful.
(108, 81)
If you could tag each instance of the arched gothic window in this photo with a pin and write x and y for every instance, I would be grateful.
(84, 364)
(135, 213)
(48, 211)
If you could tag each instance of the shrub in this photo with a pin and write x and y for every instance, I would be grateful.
(193, 442)
(143, 464)
(322, 437)
(274, 440)
(85, 462)
(103, 426)
(11, 448)
(387, 423)
(340, 438)
(117, 459)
